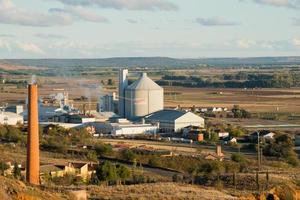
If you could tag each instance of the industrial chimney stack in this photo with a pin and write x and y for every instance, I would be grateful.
(33, 157)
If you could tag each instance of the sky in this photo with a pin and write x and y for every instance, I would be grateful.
(144, 28)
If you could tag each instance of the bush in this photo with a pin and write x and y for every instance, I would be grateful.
(237, 157)
(154, 162)
(103, 149)
(92, 156)
(128, 155)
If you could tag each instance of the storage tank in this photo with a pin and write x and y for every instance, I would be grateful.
(143, 97)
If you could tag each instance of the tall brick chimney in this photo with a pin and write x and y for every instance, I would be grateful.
(33, 155)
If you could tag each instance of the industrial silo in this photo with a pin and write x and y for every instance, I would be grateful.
(143, 97)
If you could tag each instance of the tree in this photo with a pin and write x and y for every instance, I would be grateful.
(94, 179)
(110, 82)
(17, 171)
(282, 147)
(103, 149)
(129, 155)
(3, 167)
(123, 172)
(92, 156)
(107, 172)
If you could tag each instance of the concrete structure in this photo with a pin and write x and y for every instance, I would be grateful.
(174, 120)
(125, 127)
(143, 97)
(33, 157)
(10, 118)
(83, 170)
(223, 135)
(18, 109)
(140, 98)
(123, 83)
(107, 103)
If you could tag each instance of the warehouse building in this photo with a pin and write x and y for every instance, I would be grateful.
(174, 120)
(123, 127)
(10, 118)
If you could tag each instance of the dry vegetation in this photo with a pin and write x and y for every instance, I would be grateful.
(158, 191)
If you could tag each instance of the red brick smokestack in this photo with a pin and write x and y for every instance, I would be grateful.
(33, 155)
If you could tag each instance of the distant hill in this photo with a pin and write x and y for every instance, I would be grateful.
(152, 62)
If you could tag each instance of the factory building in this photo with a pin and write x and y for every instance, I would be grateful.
(123, 127)
(174, 120)
(10, 118)
(107, 103)
(18, 109)
(142, 97)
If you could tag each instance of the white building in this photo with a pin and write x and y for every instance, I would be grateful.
(174, 120)
(10, 118)
(125, 127)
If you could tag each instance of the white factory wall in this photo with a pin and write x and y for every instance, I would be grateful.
(188, 119)
(10, 118)
(134, 130)
(139, 103)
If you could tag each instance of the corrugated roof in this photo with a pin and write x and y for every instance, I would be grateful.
(166, 115)
(144, 83)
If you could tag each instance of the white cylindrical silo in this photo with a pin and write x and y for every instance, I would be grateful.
(143, 97)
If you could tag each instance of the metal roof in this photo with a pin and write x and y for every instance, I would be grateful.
(166, 115)
(144, 83)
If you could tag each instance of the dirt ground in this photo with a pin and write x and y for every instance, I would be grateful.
(253, 100)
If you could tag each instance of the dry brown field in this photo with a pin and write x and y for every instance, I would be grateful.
(261, 100)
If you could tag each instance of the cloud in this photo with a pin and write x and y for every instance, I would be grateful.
(132, 21)
(50, 36)
(280, 3)
(5, 45)
(245, 43)
(7, 35)
(151, 5)
(11, 14)
(296, 21)
(296, 42)
(80, 13)
(215, 21)
(30, 48)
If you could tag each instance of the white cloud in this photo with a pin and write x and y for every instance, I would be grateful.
(30, 48)
(11, 14)
(165, 5)
(50, 36)
(280, 3)
(245, 43)
(215, 21)
(296, 42)
(296, 21)
(80, 13)
(5, 45)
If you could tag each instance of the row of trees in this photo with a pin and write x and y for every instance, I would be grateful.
(239, 80)
(12, 134)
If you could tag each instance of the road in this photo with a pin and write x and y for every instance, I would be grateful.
(180, 148)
